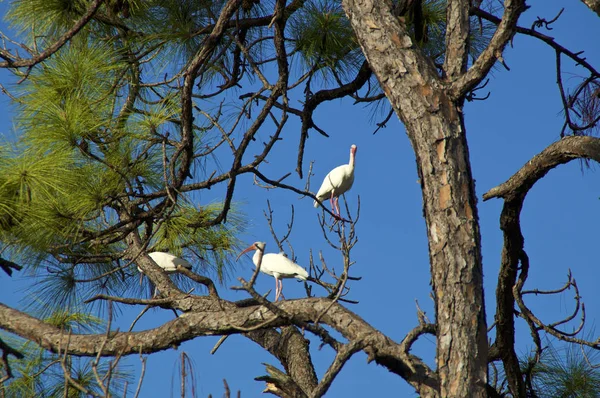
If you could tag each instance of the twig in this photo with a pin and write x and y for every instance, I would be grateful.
(344, 353)
(131, 301)
(6, 351)
(203, 280)
(216, 347)
(142, 373)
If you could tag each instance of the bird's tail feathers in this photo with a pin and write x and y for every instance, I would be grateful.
(316, 204)
(302, 275)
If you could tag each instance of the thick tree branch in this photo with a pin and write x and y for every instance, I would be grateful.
(228, 321)
(457, 38)
(560, 152)
(594, 5)
(136, 252)
(292, 350)
(435, 126)
(512, 253)
(514, 192)
(479, 70)
(186, 149)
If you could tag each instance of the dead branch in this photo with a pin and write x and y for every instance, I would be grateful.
(6, 351)
(9, 266)
(560, 152)
(514, 257)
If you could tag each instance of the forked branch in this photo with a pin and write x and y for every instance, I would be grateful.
(515, 259)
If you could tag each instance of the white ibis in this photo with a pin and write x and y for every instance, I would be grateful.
(337, 182)
(277, 265)
(167, 261)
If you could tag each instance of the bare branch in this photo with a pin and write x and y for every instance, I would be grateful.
(9, 266)
(141, 379)
(513, 254)
(343, 355)
(6, 351)
(563, 151)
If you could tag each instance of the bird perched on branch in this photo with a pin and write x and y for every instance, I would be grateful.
(337, 182)
(168, 262)
(276, 265)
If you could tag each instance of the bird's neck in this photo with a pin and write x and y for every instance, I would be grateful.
(256, 257)
(351, 162)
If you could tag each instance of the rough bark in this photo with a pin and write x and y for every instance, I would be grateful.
(292, 350)
(435, 128)
(457, 38)
(462, 84)
(594, 5)
(208, 316)
(563, 151)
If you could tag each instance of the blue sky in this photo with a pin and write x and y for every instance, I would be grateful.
(559, 218)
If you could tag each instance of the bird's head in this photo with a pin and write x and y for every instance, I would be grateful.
(255, 246)
(353, 149)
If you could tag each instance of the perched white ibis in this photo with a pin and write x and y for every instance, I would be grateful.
(337, 182)
(167, 261)
(275, 264)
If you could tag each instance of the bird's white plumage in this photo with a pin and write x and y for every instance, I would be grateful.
(276, 265)
(338, 181)
(168, 262)
(279, 266)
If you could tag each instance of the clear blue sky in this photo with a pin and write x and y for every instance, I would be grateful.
(559, 219)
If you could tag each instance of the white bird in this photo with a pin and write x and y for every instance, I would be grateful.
(337, 182)
(167, 261)
(277, 265)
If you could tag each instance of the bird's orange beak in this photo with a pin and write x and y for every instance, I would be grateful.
(253, 247)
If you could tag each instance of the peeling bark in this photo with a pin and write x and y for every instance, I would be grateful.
(435, 127)
(292, 350)
(594, 5)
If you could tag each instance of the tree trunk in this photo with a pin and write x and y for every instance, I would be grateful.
(435, 127)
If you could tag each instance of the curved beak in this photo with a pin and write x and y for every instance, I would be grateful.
(253, 247)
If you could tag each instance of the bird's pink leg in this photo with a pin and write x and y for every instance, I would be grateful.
(281, 289)
(332, 201)
(337, 206)
(276, 289)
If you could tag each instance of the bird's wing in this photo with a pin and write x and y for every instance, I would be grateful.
(278, 264)
(331, 181)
